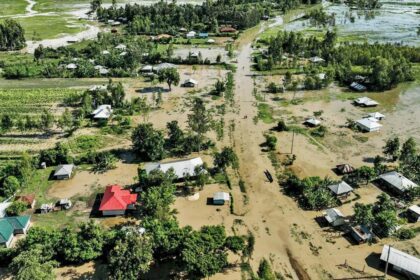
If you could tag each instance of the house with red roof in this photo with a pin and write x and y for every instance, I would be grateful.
(117, 201)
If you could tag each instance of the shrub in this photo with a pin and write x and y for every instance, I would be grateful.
(16, 208)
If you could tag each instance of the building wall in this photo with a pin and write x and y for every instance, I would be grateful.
(113, 213)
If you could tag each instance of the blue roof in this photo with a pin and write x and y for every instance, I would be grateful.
(6, 230)
(18, 222)
(203, 34)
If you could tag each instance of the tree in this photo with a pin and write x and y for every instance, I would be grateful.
(10, 185)
(131, 256)
(176, 137)
(226, 158)
(201, 177)
(47, 120)
(148, 142)
(32, 265)
(366, 173)
(170, 76)
(363, 214)
(235, 243)
(6, 122)
(219, 87)
(199, 120)
(409, 149)
(16, 208)
(66, 120)
(12, 35)
(203, 252)
(392, 148)
(117, 94)
(264, 271)
(156, 201)
(281, 126)
(271, 141)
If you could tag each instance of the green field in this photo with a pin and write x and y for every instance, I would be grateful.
(31, 101)
(12, 7)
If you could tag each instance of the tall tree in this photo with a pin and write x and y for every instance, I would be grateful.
(170, 76)
(148, 142)
(409, 149)
(392, 148)
(199, 120)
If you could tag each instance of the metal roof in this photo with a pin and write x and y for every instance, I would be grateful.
(181, 168)
(221, 196)
(340, 188)
(369, 123)
(102, 112)
(401, 260)
(414, 209)
(398, 180)
(64, 169)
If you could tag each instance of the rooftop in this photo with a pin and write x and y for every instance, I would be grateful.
(401, 260)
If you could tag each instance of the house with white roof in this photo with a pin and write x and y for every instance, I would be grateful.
(376, 115)
(397, 182)
(414, 213)
(64, 171)
(312, 122)
(121, 47)
(71, 66)
(105, 52)
(162, 66)
(365, 102)
(401, 262)
(181, 168)
(316, 59)
(368, 124)
(220, 198)
(334, 217)
(102, 112)
(191, 34)
(190, 83)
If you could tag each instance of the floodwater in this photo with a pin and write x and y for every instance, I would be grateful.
(394, 22)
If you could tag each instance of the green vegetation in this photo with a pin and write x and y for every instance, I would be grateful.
(9, 8)
(11, 36)
(265, 113)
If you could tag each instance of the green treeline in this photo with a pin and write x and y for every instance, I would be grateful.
(382, 65)
(166, 17)
(12, 36)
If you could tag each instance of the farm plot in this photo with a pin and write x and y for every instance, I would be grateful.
(32, 101)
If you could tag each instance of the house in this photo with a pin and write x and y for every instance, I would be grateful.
(227, 29)
(162, 66)
(312, 122)
(103, 112)
(190, 35)
(99, 88)
(357, 87)
(162, 37)
(121, 47)
(181, 168)
(64, 203)
(123, 53)
(194, 55)
(103, 71)
(334, 217)
(64, 171)
(117, 201)
(376, 115)
(71, 66)
(368, 124)
(365, 102)
(10, 226)
(414, 213)
(341, 189)
(397, 182)
(203, 35)
(220, 198)
(344, 168)
(316, 59)
(147, 69)
(361, 234)
(105, 52)
(3, 206)
(401, 262)
(115, 23)
(210, 41)
(28, 199)
(190, 83)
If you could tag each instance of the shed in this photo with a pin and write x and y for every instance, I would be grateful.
(190, 35)
(46, 208)
(397, 182)
(147, 69)
(401, 262)
(341, 189)
(376, 115)
(227, 29)
(368, 124)
(181, 168)
(105, 52)
(190, 83)
(64, 203)
(71, 66)
(312, 122)
(316, 59)
(121, 47)
(64, 171)
(365, 102)
(103, 112)
(220, 198)
(344, 168)
(414, 212)
(210, 41)
(203, 35)
(334, 217)
(357, 87)
(361, 234)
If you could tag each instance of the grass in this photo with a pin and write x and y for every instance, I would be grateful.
(86, 143)
(12, 7)
(39, 184)
(31, 101)
(48, 83)
(265, 113)
(48, 27)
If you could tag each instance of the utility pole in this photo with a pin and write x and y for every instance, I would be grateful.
(293, 141)
(387, 261)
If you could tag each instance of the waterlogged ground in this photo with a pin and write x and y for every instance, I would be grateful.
(395, 22)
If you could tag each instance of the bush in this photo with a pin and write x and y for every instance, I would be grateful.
(16, 208)
(281, 126)
(270, 141)
(405, 234)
